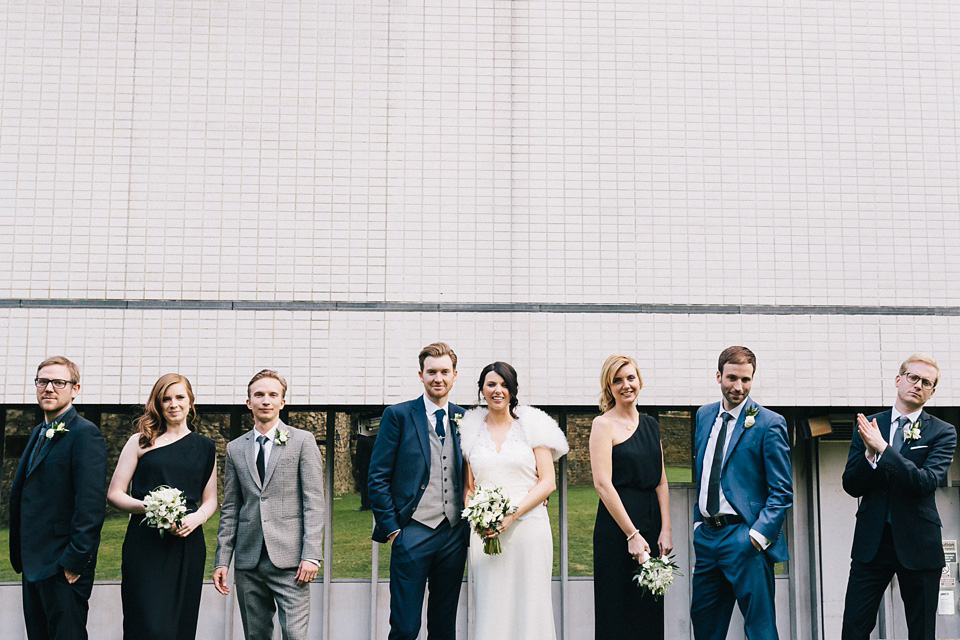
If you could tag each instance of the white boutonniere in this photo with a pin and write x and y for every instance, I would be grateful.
(912, 432)
(54, 429)
(456, 422)
(751, 419)
(281, 438)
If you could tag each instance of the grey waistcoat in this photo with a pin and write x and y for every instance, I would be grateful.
(441, 499)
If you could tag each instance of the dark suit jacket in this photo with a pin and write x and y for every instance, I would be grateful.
(906, 480)
(756, 478)
(57, 508)
(400, 465)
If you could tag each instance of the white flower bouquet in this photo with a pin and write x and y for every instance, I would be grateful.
(486, 510)
(165, 507)
(656, 575)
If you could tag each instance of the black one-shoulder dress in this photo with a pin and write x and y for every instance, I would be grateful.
(621, 609)
(163, 575)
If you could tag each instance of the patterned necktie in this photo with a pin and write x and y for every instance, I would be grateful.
(261, 467)
(713, 487)
(440, 430)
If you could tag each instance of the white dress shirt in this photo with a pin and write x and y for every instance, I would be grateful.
(894, 418)
(725, 508)
(432, 415)
(267, 446)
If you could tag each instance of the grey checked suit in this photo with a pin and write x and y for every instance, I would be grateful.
(270, 528)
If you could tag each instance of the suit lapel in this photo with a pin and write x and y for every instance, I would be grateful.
(250, 453)
(275, 454)
(703, 435)
(67, 420)
(420, 422)
(454, 432)
(32, 443)
(737, 432)
(883, 423)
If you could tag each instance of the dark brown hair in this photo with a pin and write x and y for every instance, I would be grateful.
(737, 355)
(509, 375)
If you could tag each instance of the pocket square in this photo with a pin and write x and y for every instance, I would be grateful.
(919, 446)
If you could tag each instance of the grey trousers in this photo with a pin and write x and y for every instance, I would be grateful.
(266, 589)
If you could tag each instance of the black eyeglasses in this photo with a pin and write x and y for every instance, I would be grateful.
(57, 384)
(913, 378)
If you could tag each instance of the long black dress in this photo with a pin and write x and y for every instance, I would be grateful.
(162, 576)
(621, 609)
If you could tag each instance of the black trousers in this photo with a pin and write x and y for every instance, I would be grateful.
(919, 590)
(54, 609)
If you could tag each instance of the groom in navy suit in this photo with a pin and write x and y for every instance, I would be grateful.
(897, 460)
(57, 504)
(744, 488)
(416, 492)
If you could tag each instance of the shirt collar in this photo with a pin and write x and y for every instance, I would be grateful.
(913, 416)
(271, 435)
(432, 408)
(735, 412)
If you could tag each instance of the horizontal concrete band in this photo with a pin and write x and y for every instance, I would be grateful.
(479, 307)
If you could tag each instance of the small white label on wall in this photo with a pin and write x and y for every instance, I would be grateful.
(946, 606)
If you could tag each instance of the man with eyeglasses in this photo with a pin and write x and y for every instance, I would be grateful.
(57, 506)
(897, 460)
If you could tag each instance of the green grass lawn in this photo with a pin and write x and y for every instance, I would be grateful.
(111, 542)
(352, 547)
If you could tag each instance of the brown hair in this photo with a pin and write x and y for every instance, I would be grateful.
(608, 373)
(737, 355)
(269, 373)
(151, 423)
(925, 359)
(437, 350)
(71, 367)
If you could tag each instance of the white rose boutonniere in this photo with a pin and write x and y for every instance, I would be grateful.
(912, 432)
(54, 429)
(456, 422)
(751, 418)
(281, 438)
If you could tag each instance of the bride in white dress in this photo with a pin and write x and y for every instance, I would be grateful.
(514, 448)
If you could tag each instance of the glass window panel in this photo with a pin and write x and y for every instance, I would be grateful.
(581, 496)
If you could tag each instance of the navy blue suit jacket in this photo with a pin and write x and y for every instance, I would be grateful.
(400, 464)
(907, 481)
(57, 507)
(756, 476)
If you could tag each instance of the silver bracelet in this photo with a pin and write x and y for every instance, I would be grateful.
(635, 532)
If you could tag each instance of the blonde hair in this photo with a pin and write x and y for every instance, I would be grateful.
(608, 373)
(925, 359)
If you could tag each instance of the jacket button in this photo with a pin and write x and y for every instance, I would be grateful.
(423, 486)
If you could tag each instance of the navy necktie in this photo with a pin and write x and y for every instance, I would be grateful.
(713, 487)
(261, 467)
(440, 430)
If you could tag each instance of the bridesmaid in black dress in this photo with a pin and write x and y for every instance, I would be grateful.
(162, 575)
(633, 517)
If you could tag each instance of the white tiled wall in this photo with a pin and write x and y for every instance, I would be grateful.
(466, 151)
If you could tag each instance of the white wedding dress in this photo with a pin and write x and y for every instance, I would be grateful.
(513, 589)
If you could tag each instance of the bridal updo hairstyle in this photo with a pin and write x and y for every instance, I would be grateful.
(509, 375)
(151, 424)
(608, 373)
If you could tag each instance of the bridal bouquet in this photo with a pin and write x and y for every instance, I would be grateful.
(165, 507)
(656, 575)
(486, 510)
